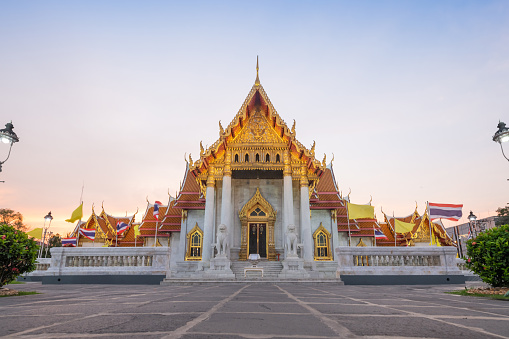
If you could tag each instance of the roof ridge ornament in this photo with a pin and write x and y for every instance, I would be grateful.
(257, 81)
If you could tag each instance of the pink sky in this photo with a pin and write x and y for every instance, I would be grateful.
(406, 97)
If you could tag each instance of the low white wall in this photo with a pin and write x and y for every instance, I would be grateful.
(109, 261)
(397, 261)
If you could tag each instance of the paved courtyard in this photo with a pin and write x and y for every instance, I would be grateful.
(249, 311)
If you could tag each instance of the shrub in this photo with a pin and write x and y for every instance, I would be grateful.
(488, 256)
(18, 253)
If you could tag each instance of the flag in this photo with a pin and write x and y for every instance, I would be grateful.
(36, 233)
(360, 211)
(88, 233)
(379, 235)
(444, 211)
(121, 227)
(157, 204)
(137, 231)
(69, 242)
(403, 227)
(77, 214)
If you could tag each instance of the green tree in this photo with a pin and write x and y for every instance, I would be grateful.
(488, 256)
(503, 216)
(54, 241)
(18, 253)
(15, 219)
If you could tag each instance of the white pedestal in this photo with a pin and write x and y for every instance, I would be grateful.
(293, 267)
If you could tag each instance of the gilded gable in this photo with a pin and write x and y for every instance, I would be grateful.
(257, 131)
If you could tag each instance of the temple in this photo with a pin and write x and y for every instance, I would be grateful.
(256, 193)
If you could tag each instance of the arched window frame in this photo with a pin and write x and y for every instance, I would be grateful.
(257, 157)
(278, 158)
(267, 157)
(236, 158)
(194, 250)
(322, 251)
(246, 157)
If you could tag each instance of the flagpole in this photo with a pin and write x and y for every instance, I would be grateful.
(155, 238)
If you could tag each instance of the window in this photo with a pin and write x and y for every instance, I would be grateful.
(246, 158)
(257, 157)
(257, 213)
(194, 242)
(236, 158)
(267, 158)
(322, 244)
(278, 158)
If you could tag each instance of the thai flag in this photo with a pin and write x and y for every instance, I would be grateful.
(379, 235)
(69, 242)
(444, 211)
(121, 227)
(157, 204)
(88, 233)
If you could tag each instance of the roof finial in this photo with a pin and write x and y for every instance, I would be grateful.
(257, 81)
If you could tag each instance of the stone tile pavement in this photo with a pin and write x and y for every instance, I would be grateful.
(250, 311)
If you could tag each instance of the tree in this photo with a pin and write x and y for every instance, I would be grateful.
(503, 216)
(54, 241)
(15, 219)
(18, 253)
(488, 256)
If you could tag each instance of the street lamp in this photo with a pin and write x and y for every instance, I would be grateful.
(502, 135)
(7, 136)
(472, 218)
(48, 218)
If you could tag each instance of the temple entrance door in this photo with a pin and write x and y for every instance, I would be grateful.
(258, 239)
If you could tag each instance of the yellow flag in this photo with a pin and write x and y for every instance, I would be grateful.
(137, 230)
(77, 214)
(403, 227)
(36, 233)
(360, 211)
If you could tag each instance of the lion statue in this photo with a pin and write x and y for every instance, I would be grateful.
(222, 245)
(291, 241)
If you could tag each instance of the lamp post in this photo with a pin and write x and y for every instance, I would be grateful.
(502, 135)
(7, 136)
(48, 218)
(472, 218)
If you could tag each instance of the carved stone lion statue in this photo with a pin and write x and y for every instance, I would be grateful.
(291, 241)
(222, 245)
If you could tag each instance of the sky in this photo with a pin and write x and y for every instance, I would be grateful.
(111, 95)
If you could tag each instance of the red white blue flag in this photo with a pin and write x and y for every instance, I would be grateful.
(121, 227)
(88, 233)
(69, 242)
(445, 211)
(379, 235)
(157, 204)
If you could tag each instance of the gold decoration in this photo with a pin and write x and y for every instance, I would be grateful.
(221, 130)
(361, 244)
(202, 151)
(324, 162)
(293, 127)
(257, 81)
(312, 151)
(194, 244)
(190, 160)
(321, 239)
(257, 201)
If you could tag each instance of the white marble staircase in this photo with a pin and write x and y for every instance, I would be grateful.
(271, 270)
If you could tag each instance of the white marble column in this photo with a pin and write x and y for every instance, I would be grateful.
(306, 237)
(208, 222)
(226, 199)
(334, 232)
(288, 218)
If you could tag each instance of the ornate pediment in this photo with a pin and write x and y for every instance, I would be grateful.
(257, 201)
(257, 131)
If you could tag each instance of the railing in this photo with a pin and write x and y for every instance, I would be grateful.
(109, 260)
(397, 260)
(42, 264)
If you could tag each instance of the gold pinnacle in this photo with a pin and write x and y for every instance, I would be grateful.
(257, 81)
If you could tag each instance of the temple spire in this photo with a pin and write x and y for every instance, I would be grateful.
(257, 81)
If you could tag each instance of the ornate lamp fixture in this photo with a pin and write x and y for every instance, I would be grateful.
(502, 135)
(7, 136)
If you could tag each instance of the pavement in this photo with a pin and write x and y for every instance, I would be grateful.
(250, 311)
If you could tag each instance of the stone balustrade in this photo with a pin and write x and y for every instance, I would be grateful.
(42, 264)
(109, 261)
(397, 260)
